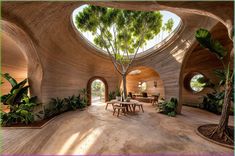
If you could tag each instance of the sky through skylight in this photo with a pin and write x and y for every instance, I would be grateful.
(162, 36)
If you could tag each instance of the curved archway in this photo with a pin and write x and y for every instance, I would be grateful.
(26, 46)
(199, 60)
(89, 83)
(150, 78)
(13, 62)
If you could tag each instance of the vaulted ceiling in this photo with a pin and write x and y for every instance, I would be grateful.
(60, 62)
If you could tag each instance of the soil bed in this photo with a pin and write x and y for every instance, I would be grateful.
(37, 124)
(206, 131)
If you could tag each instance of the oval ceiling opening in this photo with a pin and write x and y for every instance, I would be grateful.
(170, 24)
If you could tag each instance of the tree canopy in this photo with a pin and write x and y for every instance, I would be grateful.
(120, 32)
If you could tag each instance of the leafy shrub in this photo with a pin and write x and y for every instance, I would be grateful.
(71, 102)
(82, 97)
(118, 92)
(82, 103)
(168, 107)
(57, 106)
(21, 105)
(112, 95)
(213, 102)
(21, 113)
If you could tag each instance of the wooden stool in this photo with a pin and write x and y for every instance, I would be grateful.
(119, 108)
(140, 106)
(155, 101)
(108, 103)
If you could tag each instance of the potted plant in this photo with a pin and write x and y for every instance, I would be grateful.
(118, 95)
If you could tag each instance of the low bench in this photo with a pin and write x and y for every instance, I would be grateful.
(119, 109)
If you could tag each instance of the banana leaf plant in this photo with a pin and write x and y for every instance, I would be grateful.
(17, 92)
(205, 39)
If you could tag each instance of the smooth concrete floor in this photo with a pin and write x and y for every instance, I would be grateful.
(96, 131)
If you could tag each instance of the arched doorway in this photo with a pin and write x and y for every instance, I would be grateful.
(25, 44)
(97, 89)
(144, 79)
(97, 92)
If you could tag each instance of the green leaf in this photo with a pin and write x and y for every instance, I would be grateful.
(203, 36)
(19, 85)
(10, 79)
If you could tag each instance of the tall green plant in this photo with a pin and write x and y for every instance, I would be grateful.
(112, 95)
(120, 32)
(72, 102)
(205, 39)
(168, 107)
(83, 96)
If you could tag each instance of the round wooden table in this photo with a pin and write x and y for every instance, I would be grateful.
(130, 106)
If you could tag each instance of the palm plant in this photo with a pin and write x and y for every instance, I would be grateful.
(16, 93)
(71, 102)
(205, 39)
(83, 96)
(57, 104)
(168, 107)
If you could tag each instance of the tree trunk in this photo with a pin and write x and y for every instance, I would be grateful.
(222, 129)
(124, 86)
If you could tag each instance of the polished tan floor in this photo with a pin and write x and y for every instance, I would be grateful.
(97, 131)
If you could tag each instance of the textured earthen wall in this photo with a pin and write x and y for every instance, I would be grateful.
(61, 62)
(149, 76)
(13, 62)
(202, 61)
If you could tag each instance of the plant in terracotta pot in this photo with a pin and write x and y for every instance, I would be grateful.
(118, 94)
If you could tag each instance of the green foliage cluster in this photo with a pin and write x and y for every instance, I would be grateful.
(205, 39)
(112, 95)
(120, 32)
(168, 107)
(213, 102)
(168, 25)
(20, 104)
(97, 88)
(58, 105)
(118, 92)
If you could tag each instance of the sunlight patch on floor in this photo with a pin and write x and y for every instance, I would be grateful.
(69, 143)
(98, 103)
(84, 146)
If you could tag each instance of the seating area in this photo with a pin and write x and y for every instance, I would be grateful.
(125, 106)
(117, 78)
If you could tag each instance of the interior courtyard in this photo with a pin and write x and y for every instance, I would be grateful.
(64, 91)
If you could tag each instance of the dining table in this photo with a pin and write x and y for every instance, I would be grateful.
(130, 105)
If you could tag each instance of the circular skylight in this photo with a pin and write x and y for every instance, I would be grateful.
(162, 37)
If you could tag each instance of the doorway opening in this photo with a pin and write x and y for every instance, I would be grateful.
(97, 92)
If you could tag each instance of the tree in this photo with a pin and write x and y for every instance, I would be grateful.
(168, 26)
(205, 39)
(120, 32)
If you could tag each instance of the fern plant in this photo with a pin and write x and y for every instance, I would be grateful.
(168, 107)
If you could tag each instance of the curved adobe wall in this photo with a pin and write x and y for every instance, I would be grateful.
(13, 62)
(68, 63)
(202, 61)
(149, 76)
(26, 46)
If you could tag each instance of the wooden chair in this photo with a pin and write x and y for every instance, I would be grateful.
(155, 100)
(108, 103)
(119, 109)
(140, 105)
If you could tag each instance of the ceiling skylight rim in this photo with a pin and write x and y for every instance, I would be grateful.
(141, 54)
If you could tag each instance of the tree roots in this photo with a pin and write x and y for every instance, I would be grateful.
(222, 134)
